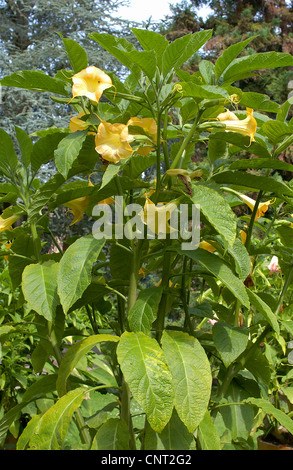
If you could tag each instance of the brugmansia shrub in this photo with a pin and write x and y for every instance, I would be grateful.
(174, 340)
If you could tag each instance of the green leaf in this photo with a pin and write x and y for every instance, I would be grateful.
(262, 308)
(25, 145)
(221, 271)
(238, 140)
(180, 50)
(191, 376)
(51, 430)
(26, 434)
(145, 60)
(216, 149)
(175, 436)
(43, 195)
(247, 180)
(284, 145)
(8, 157)
(229, 55)
(74, 354)
(241, 259)
(76, 54)
(35, 80)
(264, 60)
(112, 170)
(117, 47)
(269, 408)
(203, 91)
(258, 101)
(75, 269)
(143, 365)
(259, 163)
(207, 434)
(43, 150)
(151, 41)
(68, 151)
(216, 210)
(276, 131)
(39, 286)
(230, 341)
(144, 312)
(112, 435)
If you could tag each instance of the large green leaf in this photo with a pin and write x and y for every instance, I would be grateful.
(239, 140)
(68, 151)
(229, 55)
(35, 80)
(260, 163)
(39, 286)
(43, 195)
(117, 47)
(241, 259)
(76, 54)
(75, 269)
(112, 435)
(144, 367)
(230, 341)
(203, 91)
(247, 180)
(144, 312)
(216, 266)
(25, 145)
(191, 376)
(207, 434)
(152, 41)
(216, 210)
(253, 62)
(180, 50)
(51, 429)
(43, 150)
(74, 354)
(276, 131)
(8, 157)
(263, 308)
(175, 436)
(269, 408)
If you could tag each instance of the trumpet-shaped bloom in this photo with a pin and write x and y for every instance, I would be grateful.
(77, 124)
(227, 116)
(262, 207)
(78, 206)
(207, 246)
(149, 125)
(90, 82)
(157, 217)
(5, 224)
(245, 126)
(112, 141)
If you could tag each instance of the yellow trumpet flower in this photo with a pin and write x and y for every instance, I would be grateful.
(157, 217)
(227, 116)
(262, 208)
(90, 82)
(149, 125)
(5, 224)
(245, 126)
(207, 246)
(112, 141)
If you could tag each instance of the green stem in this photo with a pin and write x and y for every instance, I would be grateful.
(158, 150)
(162, 310)
(252, 220)
(36, 241)
(184, 144)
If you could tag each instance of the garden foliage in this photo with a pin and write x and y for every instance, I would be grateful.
(136, 343)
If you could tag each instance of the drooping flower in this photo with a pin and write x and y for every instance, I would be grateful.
(149, 125)
(157, 217)
(227, 116)
(262, 207)
(112, 141)
(207, 246)
(5, 224)
(274, 265)
(245, 126)
(90, 82)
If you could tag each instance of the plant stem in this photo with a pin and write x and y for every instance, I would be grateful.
(250, 228)
(184, 145)
(163, 303)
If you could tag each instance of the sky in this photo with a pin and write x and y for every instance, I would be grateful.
(141, 10)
